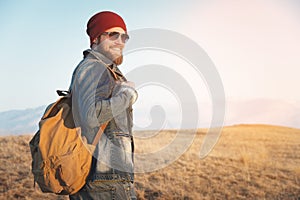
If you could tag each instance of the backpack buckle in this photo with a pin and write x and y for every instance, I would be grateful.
(63, 92)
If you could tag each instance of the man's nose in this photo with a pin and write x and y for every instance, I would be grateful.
(119, 41)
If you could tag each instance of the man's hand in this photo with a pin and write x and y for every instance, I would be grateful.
(129, 88)
(127, 83)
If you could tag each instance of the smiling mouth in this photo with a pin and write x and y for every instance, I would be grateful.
(116, 49)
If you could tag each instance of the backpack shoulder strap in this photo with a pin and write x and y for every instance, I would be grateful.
(99, 134)
(103, 126)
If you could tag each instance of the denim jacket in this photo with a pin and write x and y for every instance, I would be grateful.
(97, 98)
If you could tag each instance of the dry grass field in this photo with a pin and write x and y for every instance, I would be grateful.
(248, 162)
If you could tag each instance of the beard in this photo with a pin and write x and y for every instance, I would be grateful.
(117, 59)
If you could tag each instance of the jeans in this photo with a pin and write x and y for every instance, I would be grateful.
(108, 186)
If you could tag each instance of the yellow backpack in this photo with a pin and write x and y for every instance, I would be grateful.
(61, 157)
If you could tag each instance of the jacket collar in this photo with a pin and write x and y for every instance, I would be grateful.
(95, 54)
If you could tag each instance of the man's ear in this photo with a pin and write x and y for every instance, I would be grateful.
(96, 41)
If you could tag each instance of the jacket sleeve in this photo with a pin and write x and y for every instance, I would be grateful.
(95, 96)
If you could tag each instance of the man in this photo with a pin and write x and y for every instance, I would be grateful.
(101, 94)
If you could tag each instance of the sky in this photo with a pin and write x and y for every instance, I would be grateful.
(254, 46)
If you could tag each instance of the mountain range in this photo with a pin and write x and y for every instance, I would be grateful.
(17, 122)
(258, 111)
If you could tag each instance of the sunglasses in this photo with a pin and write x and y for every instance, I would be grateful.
(115, 35)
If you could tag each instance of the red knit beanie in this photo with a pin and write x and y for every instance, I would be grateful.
(103, 21)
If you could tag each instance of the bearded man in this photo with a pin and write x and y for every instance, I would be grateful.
(102, 95)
